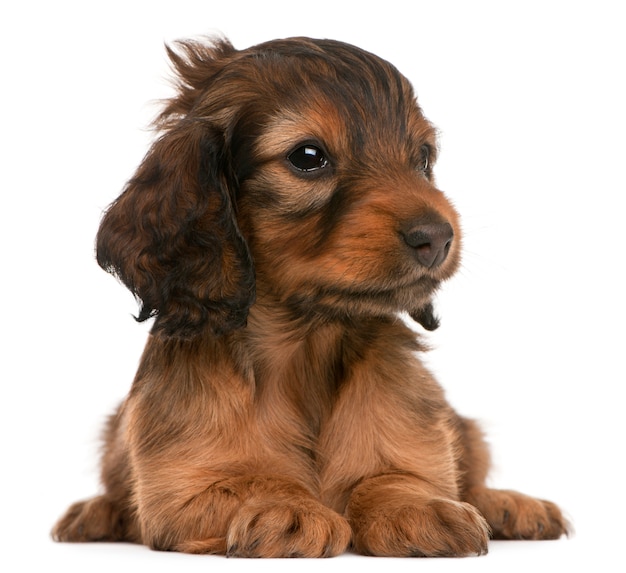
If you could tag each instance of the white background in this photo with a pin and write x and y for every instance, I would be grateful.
(529, 98)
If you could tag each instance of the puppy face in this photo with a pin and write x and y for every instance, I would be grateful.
(298, 171)
(341, 178)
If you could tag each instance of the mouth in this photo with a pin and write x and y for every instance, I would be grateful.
(336, 302)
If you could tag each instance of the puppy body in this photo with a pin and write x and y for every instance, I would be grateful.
(285, 217)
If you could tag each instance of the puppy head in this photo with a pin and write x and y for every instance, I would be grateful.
(339, 203)
(300, 167)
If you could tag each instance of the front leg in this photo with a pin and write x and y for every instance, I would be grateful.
(249, 516)
(239, 498)
(206, 475)
(393, 515)
(390, 459)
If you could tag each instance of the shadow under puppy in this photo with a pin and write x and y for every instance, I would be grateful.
(284, 217)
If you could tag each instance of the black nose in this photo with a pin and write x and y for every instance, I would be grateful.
(431, 242)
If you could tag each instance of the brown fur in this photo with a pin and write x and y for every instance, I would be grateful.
(280, 408)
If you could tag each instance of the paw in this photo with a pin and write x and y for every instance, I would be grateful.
(299, 528)
(427, 528)
(92, 520)
(513, 515)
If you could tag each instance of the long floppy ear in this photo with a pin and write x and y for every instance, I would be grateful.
(172, 237)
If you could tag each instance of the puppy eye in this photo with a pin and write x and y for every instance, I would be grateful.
(424, 162)
(308, 158)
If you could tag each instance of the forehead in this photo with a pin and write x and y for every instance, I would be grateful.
(326, 89)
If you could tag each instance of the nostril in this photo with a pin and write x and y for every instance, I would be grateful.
(431, 242)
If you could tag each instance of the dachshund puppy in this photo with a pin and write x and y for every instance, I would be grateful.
(275, 231)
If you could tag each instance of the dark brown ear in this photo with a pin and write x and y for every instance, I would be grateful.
(173, 240)
(426, 317)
